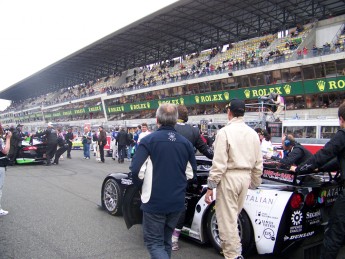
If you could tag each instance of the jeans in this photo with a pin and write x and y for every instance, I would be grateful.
(2, 181)
(158, 229)
(86, 148)
(129, 151)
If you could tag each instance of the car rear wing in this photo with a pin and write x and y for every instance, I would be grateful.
(272, 171)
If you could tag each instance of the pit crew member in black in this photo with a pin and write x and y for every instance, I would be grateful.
(51, 137)
(334, 237)
(192, 134)
(69, 140)
(294, 153)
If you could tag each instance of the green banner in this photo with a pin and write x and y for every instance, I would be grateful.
(324, 85)
(286, 89)
(62, 113)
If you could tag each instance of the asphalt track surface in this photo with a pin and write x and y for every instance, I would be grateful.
(55, 212)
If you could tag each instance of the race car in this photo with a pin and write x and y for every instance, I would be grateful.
(285, 210)
(77, 143)
(33, 150)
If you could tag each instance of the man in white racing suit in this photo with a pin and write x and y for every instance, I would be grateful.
(237, 165)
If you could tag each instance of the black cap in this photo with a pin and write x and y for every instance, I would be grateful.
(236, 105)
(19, 125)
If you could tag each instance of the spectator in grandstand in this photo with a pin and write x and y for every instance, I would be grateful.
(335, 232)
(69, 140)
(164, 199)
(4, 149)
(305, 52)
(294, 153)
(144, 132)
(16, 143)
(235, 168)
(86, 142)
(122, 140)
(51, 137)
(62, 144)
(102, 141)
(192, 134)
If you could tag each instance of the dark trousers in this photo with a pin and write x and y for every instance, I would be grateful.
(59, 152)
(335, 233)
(158, 229)
(69, 149)
(122, 152)
(51, 149)
(101, 152)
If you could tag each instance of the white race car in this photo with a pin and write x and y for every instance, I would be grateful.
(285, 210)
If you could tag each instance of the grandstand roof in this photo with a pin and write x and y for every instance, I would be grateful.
(181, 28)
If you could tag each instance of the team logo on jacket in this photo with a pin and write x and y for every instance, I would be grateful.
(171, 136)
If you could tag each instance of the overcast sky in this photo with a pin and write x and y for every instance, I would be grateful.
(37, 33)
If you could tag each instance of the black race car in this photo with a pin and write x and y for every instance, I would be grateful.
(32, 151)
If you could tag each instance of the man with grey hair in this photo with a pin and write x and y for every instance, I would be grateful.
(169, 152)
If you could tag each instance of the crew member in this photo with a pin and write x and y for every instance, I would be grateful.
(69, 140)
(51, 137)
(235, 168)
(294, 153)
(334, 236)
(16, 143)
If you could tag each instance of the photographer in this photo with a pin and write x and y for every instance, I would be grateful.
(4, 148)
(278, 101)
(16, 143)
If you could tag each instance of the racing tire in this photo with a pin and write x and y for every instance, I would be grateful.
(245, 230)
(112, 197)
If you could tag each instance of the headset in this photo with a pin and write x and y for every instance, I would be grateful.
(288, 141)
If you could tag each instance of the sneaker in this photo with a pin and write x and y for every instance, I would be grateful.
(87, 158)
(3, 212)
(175, 246)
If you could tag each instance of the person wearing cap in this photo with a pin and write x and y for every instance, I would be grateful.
(51, 138)
(235, 168)
(16, 143)
(102, 141)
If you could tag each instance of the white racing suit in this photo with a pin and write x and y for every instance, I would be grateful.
(237, 165)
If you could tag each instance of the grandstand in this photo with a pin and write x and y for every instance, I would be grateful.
(188, 54)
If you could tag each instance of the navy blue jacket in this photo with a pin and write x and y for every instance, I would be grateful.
(169, 152)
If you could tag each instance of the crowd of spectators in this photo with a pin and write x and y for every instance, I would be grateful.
(236, 56)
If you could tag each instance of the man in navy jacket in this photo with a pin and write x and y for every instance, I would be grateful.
(169, 152)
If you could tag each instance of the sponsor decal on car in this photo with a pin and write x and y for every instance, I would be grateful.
(126, 181)
(269, 234)
(281, 176)
(294, 237)
(296, 217)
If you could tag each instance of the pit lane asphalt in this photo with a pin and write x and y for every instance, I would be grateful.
(54, 212)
